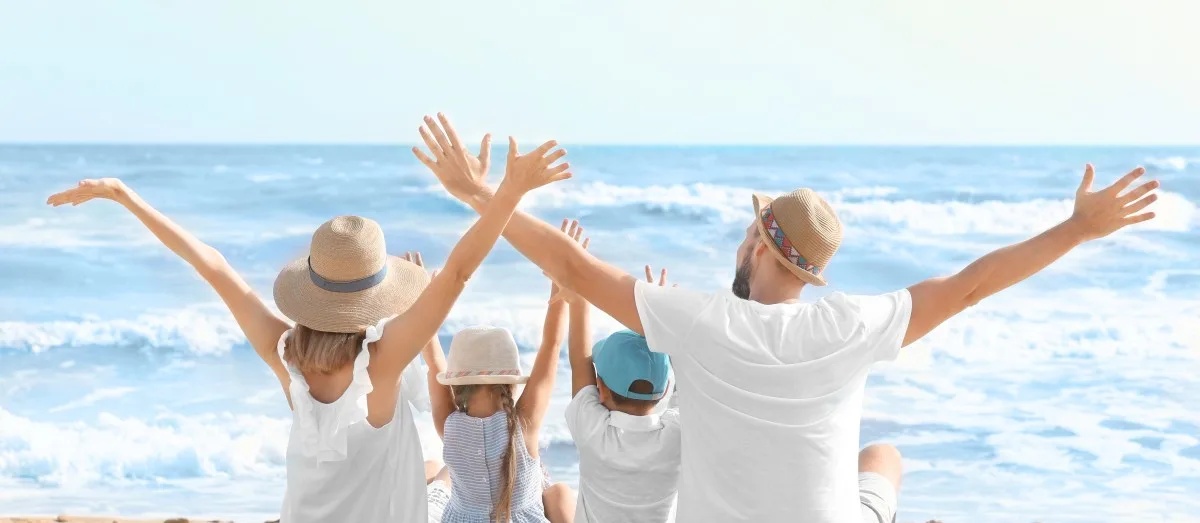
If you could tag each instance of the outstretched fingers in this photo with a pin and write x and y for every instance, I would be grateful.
(1089, 175)
(544, 148)
(438, 135)
(1139, 218)
(432, 144)
(1139, 192)
(423, 159)
(1126, 180)
(485, 149)
(454, 141)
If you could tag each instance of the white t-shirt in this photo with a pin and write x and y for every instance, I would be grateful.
(772, 398)
(628, 465)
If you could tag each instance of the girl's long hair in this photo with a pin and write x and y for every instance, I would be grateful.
(502, 507)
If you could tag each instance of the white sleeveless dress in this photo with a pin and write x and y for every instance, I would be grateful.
(339, 467)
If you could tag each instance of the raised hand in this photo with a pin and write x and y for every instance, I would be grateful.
(557, 293)
(415, 258)
(526, 172)
(1098, 214)
(459, 171)
(106, 188)
(662, 277)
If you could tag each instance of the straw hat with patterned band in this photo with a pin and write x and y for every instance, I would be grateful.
(483, 356)
(802, 230)
(348, 282)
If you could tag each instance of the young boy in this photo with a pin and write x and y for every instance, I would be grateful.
(629, 455)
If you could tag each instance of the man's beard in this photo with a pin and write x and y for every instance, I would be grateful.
(741, 280)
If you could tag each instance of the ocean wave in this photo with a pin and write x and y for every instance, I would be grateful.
(1172, 163)
(171, 446)
(866, 208)
(199, 330)
(167, 446)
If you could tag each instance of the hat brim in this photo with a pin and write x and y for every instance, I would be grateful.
(305, 303)
(761, 201)
(481, 380)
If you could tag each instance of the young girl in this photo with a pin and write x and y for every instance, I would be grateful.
(491, 439)
(353, 453)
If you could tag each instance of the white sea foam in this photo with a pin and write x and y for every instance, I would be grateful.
(167, 446)
(1172, 163)
(857, 207)
(201, 330)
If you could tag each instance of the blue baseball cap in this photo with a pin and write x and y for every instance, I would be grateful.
(623, 358)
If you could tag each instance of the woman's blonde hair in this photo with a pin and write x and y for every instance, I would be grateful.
(313, 351)
(508, 467)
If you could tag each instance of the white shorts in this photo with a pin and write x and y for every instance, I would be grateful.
(437, 494)
(878, 498)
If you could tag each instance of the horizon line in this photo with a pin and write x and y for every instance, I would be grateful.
(594, 144)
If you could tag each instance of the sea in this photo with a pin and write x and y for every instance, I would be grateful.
(126, 388)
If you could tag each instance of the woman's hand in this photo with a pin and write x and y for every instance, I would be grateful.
(558, 293)
(106, 188)
(526, 172)
(462, 173)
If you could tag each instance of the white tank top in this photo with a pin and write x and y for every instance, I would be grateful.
(339, 467)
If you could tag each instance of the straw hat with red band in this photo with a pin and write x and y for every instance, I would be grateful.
(348, 281)
(802, 231)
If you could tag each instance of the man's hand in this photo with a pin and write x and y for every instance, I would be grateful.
(1098, 214)
(462, 173)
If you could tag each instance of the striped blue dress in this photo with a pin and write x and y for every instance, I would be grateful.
(474, 452)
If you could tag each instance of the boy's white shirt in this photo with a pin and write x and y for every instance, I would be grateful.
(628, 465)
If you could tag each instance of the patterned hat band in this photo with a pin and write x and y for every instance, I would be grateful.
(785, 246)
(471, 373)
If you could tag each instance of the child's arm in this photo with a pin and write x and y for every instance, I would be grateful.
(579, 342)
(440, 397)
(441, 400)
(258, 322)
(536, 398)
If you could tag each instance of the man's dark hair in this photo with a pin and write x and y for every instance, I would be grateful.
(637, 387)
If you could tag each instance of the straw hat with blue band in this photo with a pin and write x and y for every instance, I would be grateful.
(623, 358)
(348, 281)
(802, 231)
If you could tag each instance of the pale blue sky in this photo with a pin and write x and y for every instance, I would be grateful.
(918, 71)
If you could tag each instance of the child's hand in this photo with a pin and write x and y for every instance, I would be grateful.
(558, 293)
(662, 277)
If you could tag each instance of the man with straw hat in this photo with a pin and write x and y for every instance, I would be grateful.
(775, 386)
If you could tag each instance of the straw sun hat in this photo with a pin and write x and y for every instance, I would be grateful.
(803, 232)
(483, 356)
(348, 282)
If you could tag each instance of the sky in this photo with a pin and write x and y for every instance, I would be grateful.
(622, 72)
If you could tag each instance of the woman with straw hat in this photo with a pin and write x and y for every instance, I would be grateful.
(353, 454)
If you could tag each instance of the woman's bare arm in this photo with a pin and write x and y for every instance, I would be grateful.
(258, 322)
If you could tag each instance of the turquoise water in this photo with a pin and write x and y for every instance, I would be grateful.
(126, 388)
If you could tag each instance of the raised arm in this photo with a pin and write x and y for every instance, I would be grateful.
(412, 330)
(579, 339)
(604, 285)
(441, 400)
(1097, 214)
(536, 397)
(258, 322)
